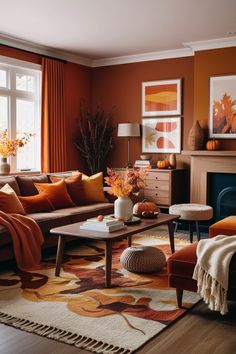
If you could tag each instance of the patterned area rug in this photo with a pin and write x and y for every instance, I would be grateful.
(75, 308)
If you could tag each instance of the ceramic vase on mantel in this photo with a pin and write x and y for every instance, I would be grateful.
(4, 166)
(196, 137)
(123, 208)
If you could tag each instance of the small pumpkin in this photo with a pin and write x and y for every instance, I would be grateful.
(163, 164)
(213, 145)
(145, 207)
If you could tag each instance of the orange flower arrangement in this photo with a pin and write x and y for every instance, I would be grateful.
(125, 185)
(10, 146)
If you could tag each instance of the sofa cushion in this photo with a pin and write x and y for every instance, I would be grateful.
(226, 226)
(47, 221)
(26, 183)
(56, 193)
(73, 186)
(181, 264)
(36, 203)
(82, 213)
(9, 202)
(11, 180)
(92, 189)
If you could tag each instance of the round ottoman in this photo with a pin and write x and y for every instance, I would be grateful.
(192, 213)
(143, 259)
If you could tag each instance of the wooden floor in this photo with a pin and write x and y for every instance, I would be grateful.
(200, 331)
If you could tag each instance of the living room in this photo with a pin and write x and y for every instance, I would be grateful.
(107, 69)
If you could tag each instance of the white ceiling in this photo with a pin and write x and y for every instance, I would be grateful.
(98, 29)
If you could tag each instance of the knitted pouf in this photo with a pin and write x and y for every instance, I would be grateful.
(143, 259)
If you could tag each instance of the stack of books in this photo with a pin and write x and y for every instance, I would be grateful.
(143, 163)
(108, 224)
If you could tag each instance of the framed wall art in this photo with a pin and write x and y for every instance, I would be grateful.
(222, 116)
(161, 135)
(161, 98)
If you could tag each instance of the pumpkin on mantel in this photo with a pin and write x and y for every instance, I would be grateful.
(213, 145)
(163, 164)
(141, 208)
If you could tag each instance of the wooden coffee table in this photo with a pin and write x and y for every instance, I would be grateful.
(109, 238)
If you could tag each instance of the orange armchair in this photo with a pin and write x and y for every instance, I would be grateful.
(181, 264)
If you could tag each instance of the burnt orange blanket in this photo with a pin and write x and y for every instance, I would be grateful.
(27, 239)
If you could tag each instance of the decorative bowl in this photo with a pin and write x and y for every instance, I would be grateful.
(146, 157)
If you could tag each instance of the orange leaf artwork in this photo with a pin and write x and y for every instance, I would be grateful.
(224, 115)
(164, 142)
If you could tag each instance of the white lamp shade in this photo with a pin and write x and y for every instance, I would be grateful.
(128, 129)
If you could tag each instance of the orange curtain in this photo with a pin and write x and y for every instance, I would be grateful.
(53, 142)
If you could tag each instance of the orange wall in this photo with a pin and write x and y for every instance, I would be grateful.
(77, 87)
(211, 63)
(119, 86)
(118, 89)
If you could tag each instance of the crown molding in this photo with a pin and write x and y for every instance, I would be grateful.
(190, 48)
(211, 44)
(43, 50)
(165, 54)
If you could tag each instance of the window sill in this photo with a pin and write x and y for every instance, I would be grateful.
(20, 173)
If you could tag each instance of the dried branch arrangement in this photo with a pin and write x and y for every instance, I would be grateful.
(95, 138)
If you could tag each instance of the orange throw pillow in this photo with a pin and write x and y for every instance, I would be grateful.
(73, 186)
(56, 193)
(36, 203)
(9, 202)
(92, 189)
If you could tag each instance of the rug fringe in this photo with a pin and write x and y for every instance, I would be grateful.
(61, 335)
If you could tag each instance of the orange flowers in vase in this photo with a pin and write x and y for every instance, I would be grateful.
(131, 182)
(8, 146)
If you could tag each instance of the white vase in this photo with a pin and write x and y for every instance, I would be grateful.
(123, 208)
(4, 166)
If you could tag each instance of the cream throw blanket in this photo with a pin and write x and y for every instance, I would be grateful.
(212, 270)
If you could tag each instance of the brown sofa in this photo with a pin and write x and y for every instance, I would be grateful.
(24, 185)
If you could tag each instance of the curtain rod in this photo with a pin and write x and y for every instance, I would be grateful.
(42, 55)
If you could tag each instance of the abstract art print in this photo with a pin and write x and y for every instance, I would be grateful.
(161, 98)
(161, 135)
(222, 120)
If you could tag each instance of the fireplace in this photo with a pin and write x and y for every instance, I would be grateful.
(205, 163)
(221, 189)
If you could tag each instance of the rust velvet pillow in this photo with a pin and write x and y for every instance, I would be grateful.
(9, 202)
(56, 193)
(73, 186)
(36, 203)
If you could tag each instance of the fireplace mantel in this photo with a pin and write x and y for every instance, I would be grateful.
(203, 162)
(209, 152)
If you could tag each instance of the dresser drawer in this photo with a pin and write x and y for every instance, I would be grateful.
(156, 184)
(156, 192)
(157, 199)
(157, 176)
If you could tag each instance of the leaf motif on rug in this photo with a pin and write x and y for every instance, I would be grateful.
(136, 308)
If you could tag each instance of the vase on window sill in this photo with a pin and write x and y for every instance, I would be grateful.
(4, 166)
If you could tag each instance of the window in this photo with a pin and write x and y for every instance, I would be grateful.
(20, 109)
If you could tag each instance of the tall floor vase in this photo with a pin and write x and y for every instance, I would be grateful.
(4, 166)
(123, 208)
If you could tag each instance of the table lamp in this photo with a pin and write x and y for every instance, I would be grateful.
(128, 130)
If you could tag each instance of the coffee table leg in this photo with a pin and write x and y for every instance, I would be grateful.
(171, 236)
(108, 263)
(60, 251)
(129, 241)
